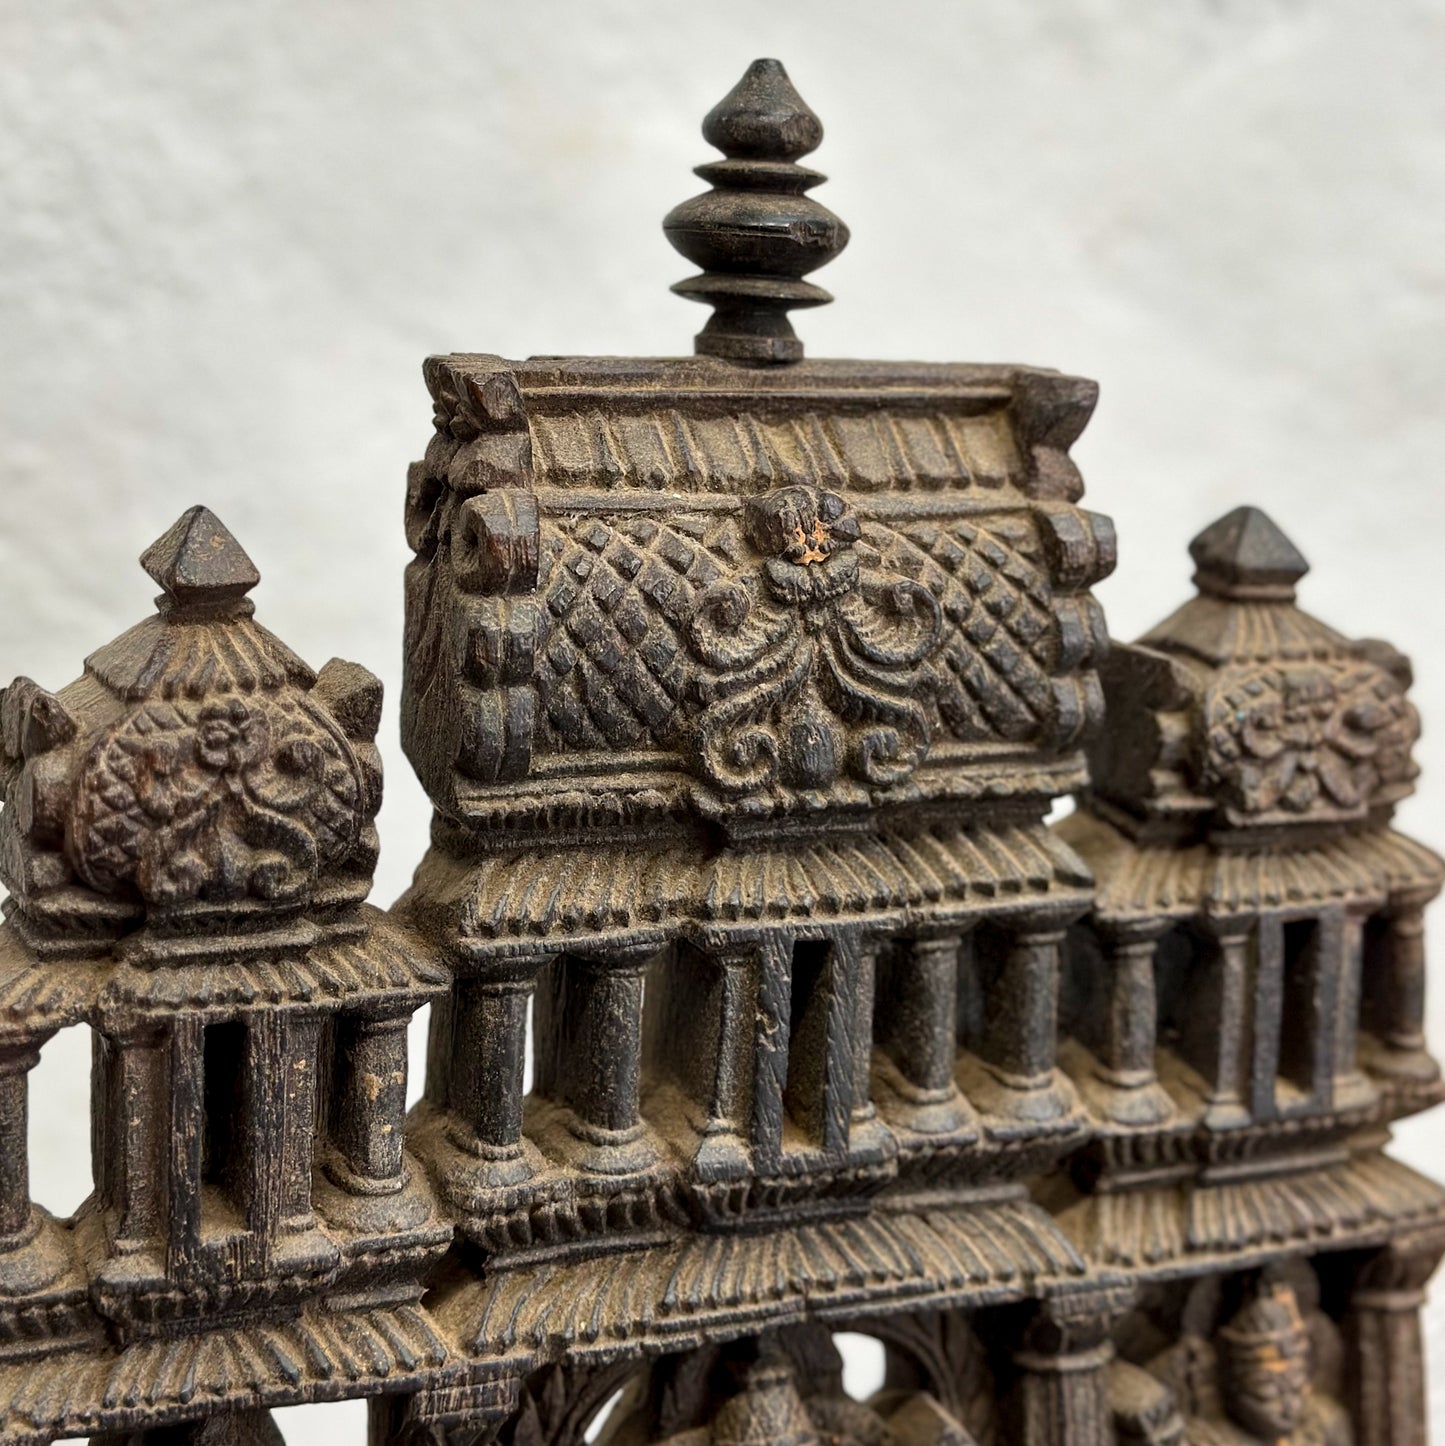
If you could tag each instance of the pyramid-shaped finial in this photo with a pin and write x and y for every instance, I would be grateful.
(199, 563)
(755, 233)
(1245, 555)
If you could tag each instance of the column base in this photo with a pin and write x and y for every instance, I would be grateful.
(372, 1207)
(309, 1253)
(470, 1174)
(721, 1154)
(604, 1152)
(1132, 1105)
(1007, 1099)
(921, 1111)
(1406, 1065)
(34, 1258)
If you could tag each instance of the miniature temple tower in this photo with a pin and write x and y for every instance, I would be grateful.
(1244, 1006)
(742, 684)
(188, 841)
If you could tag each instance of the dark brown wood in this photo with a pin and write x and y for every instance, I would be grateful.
(742, 687)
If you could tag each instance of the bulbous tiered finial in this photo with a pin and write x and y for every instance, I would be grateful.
(755, 233)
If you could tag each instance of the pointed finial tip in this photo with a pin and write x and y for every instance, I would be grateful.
(1246, 555)
(756, 234)
(198, 561)
(763, 118)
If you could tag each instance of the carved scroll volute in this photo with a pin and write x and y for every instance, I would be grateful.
(468, 702)
(496, 542)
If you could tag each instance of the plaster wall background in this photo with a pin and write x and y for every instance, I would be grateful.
(230, 232)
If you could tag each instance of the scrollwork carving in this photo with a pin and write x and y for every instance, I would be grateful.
(223, 798)
(815, 668)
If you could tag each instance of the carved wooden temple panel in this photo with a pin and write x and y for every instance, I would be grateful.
(765, 1002)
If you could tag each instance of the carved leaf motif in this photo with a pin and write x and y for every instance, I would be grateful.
(217, 799)
(1306, 738)
(560, 1402)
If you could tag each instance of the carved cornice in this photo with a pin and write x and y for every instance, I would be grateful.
(790, 601)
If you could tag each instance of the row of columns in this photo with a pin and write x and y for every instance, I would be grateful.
(766, 1037)
(149, 1101)
(1233, 1035)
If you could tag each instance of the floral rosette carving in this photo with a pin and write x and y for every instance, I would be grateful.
(816, 661)
(218, 800)
(1305, 739)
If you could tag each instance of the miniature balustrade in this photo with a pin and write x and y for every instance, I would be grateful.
(774, 1048)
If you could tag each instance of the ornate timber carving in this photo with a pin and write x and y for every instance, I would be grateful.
(742, 686)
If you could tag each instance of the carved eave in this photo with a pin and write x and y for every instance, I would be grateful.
(1363, 868)
(319, 1355)
(1235, 1223)
(641, 891)
(704, 1286)
(381, 967)
(659, 588)
(37, 998)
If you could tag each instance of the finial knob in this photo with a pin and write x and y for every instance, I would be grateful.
(755, 233)
(199, 563)
(1245, 556)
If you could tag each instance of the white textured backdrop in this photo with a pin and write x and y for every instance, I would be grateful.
(229, 232)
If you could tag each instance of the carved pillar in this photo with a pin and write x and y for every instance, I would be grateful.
(916, 1028)
(280, 1094)
(369, 1108)
(184, 1146)
(1216, 1034)
(32, 1252)
(589, 1058)
(485, 1053)
(1352, 1089)
(1398, 990)
(1129, 1092)
(366, 1161)
(1020, 1038)
(128, 1114)
(864, 1004)
(16, 1062)
(1385, 1375)
(723, 1151)
(1061, 1394)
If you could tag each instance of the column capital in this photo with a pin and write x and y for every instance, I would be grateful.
(1078, 1321)
(627, 959)
(1117, 933)
(21, 1055)
(1394, 1277)
(1229, 927)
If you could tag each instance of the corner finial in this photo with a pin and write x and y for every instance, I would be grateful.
(199, 563)
(1245, 556)
(755, 233)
